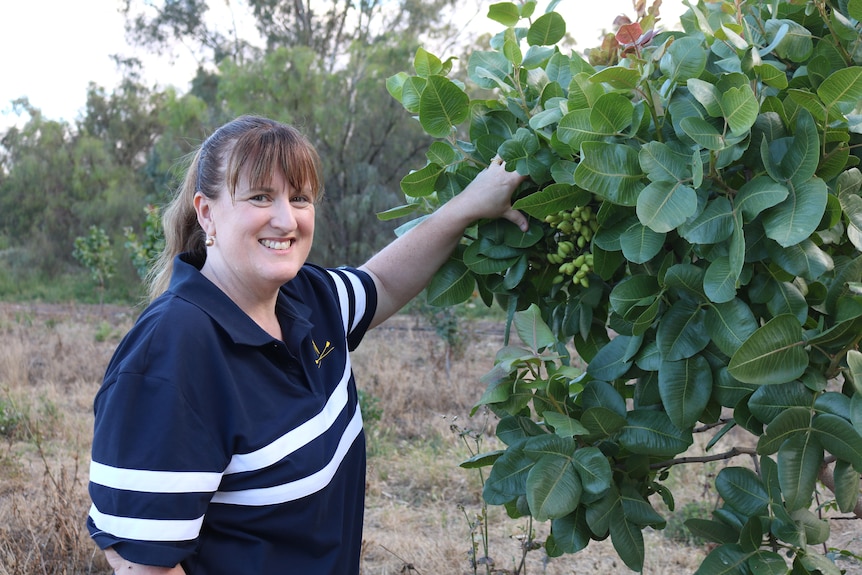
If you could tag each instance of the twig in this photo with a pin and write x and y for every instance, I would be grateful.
(705, 458)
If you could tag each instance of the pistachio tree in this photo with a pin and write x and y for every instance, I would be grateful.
(693, 265)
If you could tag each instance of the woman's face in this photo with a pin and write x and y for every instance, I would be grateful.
(262, 236)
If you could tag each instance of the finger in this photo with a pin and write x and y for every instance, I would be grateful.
(518, 219)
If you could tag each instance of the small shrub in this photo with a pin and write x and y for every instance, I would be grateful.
(10, 419)
(676, 530)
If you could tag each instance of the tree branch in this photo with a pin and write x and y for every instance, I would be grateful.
(705, 458)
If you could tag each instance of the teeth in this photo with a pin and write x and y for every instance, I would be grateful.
(276, 245)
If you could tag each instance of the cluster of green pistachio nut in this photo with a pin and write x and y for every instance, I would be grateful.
(575, 229)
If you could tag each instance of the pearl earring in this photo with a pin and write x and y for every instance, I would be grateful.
(210, 241)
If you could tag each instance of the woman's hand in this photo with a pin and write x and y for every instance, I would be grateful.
(403, 268)
(489, 195)
(122, 567)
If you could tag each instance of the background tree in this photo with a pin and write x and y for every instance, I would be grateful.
(323, 70)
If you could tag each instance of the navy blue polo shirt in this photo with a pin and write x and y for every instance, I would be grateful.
(223, 449)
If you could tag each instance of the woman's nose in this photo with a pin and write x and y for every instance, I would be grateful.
(283, 217)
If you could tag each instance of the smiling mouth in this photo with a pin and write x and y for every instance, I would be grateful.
(273, 245)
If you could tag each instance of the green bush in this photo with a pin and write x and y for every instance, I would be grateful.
(695, 235)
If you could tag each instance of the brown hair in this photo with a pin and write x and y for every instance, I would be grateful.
(252, 145)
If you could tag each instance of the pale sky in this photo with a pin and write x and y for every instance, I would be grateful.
(51, 49)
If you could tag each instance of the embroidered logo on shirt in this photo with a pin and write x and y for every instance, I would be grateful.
(321, 353)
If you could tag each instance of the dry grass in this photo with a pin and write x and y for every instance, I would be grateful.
(421, 507)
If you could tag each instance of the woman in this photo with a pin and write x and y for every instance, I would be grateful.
(228, 437)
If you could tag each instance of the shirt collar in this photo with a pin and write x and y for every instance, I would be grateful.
(188, 283)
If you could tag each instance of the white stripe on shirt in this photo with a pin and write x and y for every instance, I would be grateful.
(153, 481)
(147, 529)
(301, 487)
(298, 437)
(360, 301)
(343, 298)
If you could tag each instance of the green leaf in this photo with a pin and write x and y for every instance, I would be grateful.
(685, 387)
(488, 69)
(788, 423)
(739, 106)
(816, 529)
(772, 354)
(451, 285)
(663, 206)
(426, 64)
(617, 77)
(804, 259)
(727, 559)
(602, 422)
(512, 50)
(796, 45)
(839, 438)
(441, 154)
(685, 278)
(851, 204)
(532, 330)
(708, 96)
(720, 280)
(563, 425)
(662, 164)
(759, 194)
(803, 154)
(508, 477)
(506, 13)
(546, 30)
(442, 106)
(610, 362)
(799, 460)
(703, 133)
(854, 364)
(842, 89)
(411, 93)
(681, 333)
(482, 459)
(553, 487)
(611, 171)
(594, 470)
(478, 259)
(653, 433)
(611, 114)
(575, 128)
(846, 481)
(798, 216)
(685, 59)
(711, 530)
(569, 534)
(767, 563)
(771, 76)
(551, 200)
(742, 490)
(640, 244)
(422, 182)
(395, 85)
(769, 401)
(729, 324)
(628, 540)
(632, 293)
